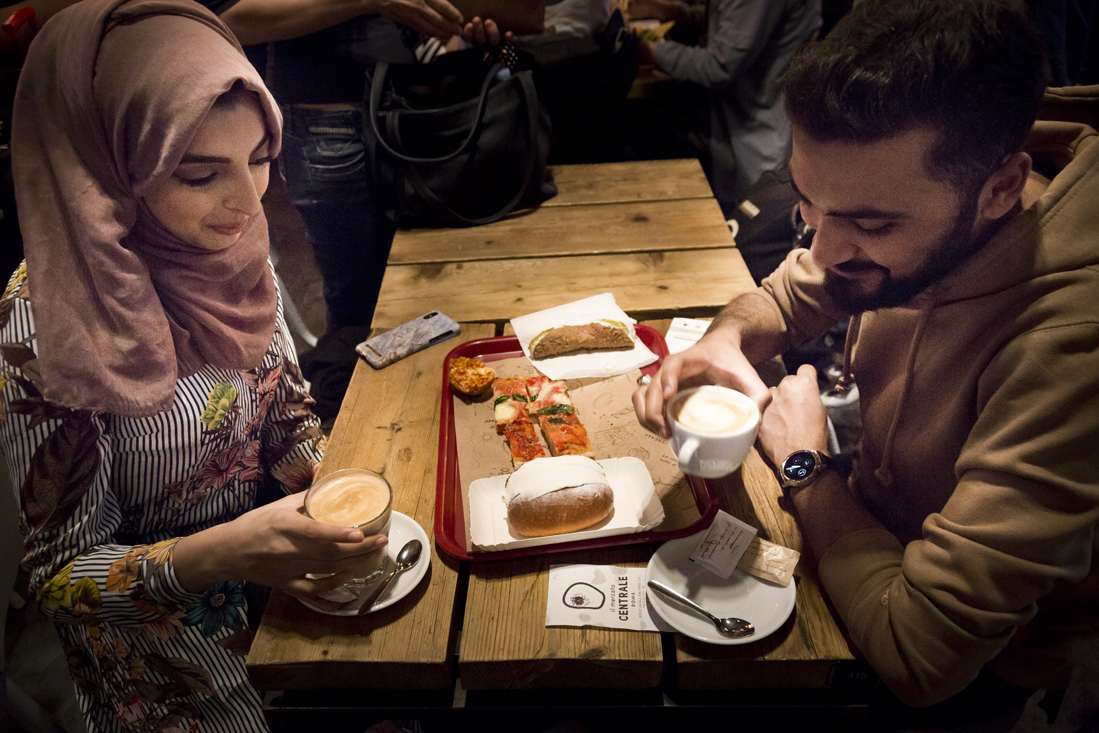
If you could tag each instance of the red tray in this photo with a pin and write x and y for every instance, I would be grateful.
(450, 520)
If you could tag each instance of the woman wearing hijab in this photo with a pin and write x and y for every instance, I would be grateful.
(149, 386)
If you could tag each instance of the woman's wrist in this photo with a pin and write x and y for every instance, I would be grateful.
(199, 559)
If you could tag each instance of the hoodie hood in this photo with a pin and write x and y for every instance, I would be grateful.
(1066, 213)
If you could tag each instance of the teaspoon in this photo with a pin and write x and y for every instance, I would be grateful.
(735, 628)
(406, 558)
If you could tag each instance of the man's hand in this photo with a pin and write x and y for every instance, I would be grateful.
(715, 359)
(795, 419)
(430, 17)
(275, 545)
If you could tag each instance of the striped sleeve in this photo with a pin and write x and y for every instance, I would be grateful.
(61, 460)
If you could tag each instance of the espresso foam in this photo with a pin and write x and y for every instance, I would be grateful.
(349, 501)
(709, 412)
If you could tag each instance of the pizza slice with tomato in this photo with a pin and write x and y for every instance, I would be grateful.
(509, 400)
(552, 407)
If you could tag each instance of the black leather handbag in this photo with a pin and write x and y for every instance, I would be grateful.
(451, 143)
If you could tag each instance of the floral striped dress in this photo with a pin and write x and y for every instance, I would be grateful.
(103, 501)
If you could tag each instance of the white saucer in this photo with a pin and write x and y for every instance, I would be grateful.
(766, 605)
(401, 529)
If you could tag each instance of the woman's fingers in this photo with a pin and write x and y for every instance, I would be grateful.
(484, 32)
(492, 33)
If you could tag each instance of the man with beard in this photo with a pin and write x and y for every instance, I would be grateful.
(961, 552)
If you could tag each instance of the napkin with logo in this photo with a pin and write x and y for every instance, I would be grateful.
(600, 595)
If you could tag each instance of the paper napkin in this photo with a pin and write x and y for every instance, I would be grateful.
(600, 595)
(684, 333)
(579, 313)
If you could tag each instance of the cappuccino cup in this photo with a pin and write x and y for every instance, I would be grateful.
(712, 430)
(355, 497)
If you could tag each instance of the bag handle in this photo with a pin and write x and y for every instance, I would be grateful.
(378, 85)
(413, 176)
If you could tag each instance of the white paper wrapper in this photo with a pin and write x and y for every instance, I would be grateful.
(684, 333)
(637, 508)
(578, 313)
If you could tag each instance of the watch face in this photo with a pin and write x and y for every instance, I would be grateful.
(799, 465)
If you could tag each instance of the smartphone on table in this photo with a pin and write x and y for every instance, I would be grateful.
(408, 338)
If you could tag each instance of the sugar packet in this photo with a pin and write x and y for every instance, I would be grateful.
(730, 543)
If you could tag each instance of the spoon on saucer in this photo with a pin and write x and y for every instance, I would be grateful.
(406, 558)
(735, 628)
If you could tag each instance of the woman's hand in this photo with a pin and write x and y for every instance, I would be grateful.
(795, 419)
(715, 359)
(482, 32)
(275, 545)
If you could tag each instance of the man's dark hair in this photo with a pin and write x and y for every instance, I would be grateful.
(974, 70)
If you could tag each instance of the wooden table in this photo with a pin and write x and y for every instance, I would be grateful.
(489, 616)
(650, 232)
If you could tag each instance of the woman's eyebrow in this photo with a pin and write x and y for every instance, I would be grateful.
(190, 158)
(266, 139)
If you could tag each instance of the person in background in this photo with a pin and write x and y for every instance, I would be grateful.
(321, 51)
(962, 551)
(730, 56)
(154, 416)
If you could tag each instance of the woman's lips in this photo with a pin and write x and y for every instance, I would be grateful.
(229, 230)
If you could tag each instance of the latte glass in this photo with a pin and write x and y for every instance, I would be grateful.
(712, 430)
(355, 497)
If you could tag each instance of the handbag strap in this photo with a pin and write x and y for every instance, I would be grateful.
(530, 99)
(378, 86)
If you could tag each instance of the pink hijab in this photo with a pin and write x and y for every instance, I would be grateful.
(111, 96)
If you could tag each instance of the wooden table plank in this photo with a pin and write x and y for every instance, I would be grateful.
(513, 594)
(629, 182)
(506, 644)
(645, 285)
(558, 232)
(389, 423)
(804, 653)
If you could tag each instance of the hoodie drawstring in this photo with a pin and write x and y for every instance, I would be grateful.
(843, 384)
(883, 473)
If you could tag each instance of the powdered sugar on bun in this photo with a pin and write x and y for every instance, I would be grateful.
(549, 496)
(543, 475)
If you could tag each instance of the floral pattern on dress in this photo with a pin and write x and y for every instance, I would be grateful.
(220, 607)
(219, 405)
(100, 493)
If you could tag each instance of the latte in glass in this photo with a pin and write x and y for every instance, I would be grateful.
(355, 497)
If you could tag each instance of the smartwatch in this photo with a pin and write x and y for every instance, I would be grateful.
(803, 466)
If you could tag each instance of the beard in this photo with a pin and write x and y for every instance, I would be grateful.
(947, 254)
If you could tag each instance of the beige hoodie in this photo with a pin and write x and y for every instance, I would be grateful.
(980, 448)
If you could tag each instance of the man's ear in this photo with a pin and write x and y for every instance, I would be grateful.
(1004, 187)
